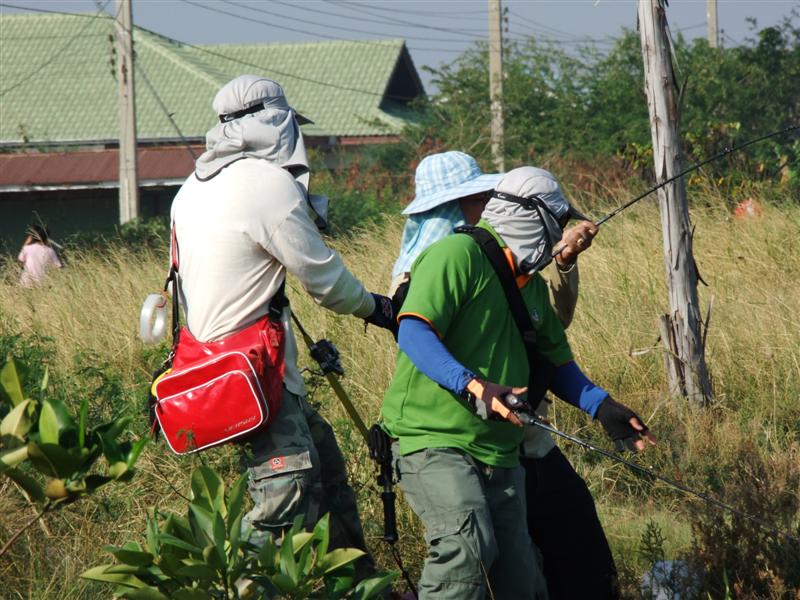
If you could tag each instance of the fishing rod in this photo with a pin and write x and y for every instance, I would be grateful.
(725, 152)
(521, 410)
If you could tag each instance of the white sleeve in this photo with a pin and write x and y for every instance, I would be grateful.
(297, 244)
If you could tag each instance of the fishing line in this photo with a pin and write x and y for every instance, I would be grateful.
(725, 152)
(537, 422)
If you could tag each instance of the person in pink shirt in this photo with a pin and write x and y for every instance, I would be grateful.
(36, 256)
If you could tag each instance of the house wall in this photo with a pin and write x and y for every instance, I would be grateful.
(69, 212)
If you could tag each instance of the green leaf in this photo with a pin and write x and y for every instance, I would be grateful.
(147, 593)
(101, 574)
(301, 540)
(338, 558)
(208, 490)
(63, 421)
(190, 594)
(267, 555)
(53, 460)
(283, 583)
(371, 587)
(198, 570)
(117, 469)
(135, 452)
(153, 544)
(111, 450)
(45, 379)
(202, 524)
(11, 378)
(82, 422)
(322, 532)
(170, 540)
(12, 457)
(17, 423)
(288, 564)
(27, 483)
(135, 558)
(236, 500)
(220, 538)
(48, 424)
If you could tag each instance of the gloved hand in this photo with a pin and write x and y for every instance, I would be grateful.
(486, 399)
(623, 426)
(383, 316)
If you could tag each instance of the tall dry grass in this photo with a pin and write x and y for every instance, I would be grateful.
(752, 267)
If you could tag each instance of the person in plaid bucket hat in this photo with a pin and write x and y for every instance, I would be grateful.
(450, 187)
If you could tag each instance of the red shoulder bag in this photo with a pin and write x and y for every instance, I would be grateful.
(217, 392)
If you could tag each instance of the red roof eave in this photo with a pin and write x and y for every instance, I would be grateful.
(92, 167)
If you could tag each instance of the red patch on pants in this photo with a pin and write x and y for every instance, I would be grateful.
(278, 463)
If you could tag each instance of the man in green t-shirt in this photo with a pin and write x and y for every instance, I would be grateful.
(460, 354)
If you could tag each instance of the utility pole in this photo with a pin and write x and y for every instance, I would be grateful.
(496, 82)
(680, 329)
(128, 182)
(713, 23)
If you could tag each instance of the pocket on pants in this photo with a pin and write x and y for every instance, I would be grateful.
(281, 487)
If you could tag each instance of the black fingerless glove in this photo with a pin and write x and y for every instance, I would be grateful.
(615, 419)
(383, 316)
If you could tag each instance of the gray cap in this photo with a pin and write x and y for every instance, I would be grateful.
(249, 94)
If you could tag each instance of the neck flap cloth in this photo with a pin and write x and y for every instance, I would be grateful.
(266, 128)
(529, 233)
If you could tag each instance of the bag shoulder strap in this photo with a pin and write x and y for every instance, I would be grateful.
(540, 368)
(497, 259)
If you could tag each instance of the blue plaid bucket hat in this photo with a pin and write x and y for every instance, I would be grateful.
(448, 176)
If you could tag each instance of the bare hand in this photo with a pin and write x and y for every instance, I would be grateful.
(491, 393)
(574, 241)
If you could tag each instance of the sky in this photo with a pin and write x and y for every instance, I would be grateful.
(436, 31)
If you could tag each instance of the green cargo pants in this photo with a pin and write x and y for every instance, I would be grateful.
(474, 517)
(295, 468)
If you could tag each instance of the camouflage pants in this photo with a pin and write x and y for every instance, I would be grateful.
(295, 468)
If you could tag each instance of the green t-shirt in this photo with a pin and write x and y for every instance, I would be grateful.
(455, 289)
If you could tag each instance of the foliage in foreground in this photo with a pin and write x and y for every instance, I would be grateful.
(52, 455)
(206, 554)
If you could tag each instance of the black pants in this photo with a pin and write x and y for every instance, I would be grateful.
(563, 523)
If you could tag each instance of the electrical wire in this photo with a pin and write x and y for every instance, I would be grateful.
(350, 6)
(295, 20)
(57, 54)
(382, 21)
(462, 14)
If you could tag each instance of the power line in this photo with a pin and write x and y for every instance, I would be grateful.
(381, 21)
(449, 15)
(349, 6)
(304, 32)
(58, 53)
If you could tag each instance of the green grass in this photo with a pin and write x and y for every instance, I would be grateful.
(745, 448)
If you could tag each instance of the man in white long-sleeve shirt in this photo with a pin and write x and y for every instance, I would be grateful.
(242, 220)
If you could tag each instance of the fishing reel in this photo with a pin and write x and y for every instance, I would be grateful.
(327, 357)
(521, 409)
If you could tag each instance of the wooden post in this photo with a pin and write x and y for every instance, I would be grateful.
(496, 82)
(712, 23)
(683, 322)
(128, 183)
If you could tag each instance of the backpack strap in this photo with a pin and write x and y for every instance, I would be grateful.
(540, 369)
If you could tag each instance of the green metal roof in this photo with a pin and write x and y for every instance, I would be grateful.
(57, 81)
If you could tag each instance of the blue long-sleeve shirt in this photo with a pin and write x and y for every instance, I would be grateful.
(421, 344)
